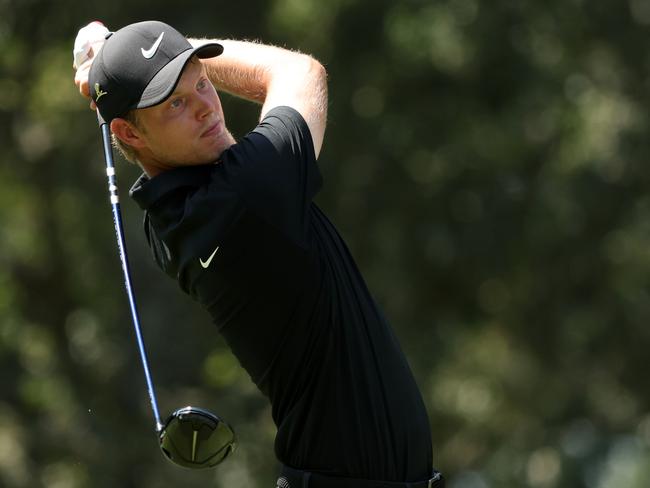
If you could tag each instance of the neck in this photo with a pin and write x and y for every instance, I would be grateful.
(151, 170)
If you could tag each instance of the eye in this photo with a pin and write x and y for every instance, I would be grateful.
(176, 103)
(201, 84)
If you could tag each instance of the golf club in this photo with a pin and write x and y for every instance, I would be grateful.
(190, 437)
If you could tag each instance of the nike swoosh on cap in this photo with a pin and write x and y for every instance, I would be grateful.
(149, 53)
(206, 263)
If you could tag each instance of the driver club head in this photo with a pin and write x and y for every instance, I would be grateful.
(195, 438)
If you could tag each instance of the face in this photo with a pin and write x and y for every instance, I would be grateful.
(186, 129)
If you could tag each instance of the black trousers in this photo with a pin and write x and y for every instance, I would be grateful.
(295, 478)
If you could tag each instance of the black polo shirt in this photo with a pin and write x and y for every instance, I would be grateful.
(244, 239)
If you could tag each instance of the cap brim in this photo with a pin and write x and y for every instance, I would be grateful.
(164, 82)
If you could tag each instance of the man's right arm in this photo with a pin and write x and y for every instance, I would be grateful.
(273, 77)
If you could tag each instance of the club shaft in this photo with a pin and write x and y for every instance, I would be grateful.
(119, 232)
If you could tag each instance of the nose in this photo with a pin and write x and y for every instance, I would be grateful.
(204, 107)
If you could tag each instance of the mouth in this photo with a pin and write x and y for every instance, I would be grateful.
(213, 130)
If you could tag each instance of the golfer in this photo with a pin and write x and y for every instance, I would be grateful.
(235, 224)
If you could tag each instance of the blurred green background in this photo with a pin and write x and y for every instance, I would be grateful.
(485, 161)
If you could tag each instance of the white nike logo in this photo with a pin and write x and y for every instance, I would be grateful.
(206, 263)
(149, 53)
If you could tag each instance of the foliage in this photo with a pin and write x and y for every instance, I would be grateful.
(485, 162)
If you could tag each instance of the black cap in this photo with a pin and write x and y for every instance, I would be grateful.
(139, 66)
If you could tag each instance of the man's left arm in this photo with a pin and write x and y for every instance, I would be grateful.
(273, 77)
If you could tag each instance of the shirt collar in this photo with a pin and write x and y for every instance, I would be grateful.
(147, 191)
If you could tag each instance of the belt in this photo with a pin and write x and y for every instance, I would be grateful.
(295, 478)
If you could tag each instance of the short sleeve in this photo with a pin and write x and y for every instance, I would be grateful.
(274, 170)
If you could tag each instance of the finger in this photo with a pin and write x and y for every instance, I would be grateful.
(81, 78)
(82, 84)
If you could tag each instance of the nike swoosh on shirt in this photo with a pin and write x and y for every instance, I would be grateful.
(149, 53)
(207, 262)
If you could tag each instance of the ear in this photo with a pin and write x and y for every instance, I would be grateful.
(126, 132)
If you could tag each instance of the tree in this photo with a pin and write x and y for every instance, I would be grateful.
(485, 163)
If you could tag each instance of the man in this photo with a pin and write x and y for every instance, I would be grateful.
(235, 224)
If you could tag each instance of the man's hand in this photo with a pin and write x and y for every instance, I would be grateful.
(87, 44)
